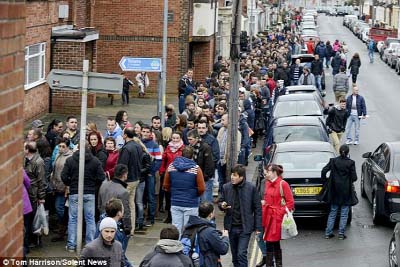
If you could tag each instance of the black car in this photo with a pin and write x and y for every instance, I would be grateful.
(303, 104)
(297, 128)
(302, 163)
(380, 182)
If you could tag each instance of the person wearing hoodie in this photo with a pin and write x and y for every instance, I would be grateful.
(168, 251)
(184, 179)
(212, 243)
(336, 63)
(93, 176)
(60, 191)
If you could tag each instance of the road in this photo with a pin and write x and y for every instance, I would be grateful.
(366, 245)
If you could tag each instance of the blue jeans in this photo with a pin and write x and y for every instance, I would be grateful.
(208, 193)
(180, 216)
(124, 239)
(318, 82)
(221, 176)
(353, 119)
(181, 103)
(139, 203)
(261, 243)
(59, 203)
(344, 213)
(151, 197)
(327, 62)
(88, 213)
(239, 243)
(371, 56)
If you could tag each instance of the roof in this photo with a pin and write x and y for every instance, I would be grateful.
(296, 97)
(301, 88)
(304, 146)
(306, 120)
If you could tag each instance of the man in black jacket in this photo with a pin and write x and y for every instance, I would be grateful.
(283, 73)
(131, 155)
(186, 87)
(336, 122)
(242, 206)
(93, 176)
(203, 157)
(317, 68)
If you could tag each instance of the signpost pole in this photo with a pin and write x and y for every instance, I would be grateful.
(82, 142)
(159, 95)
(164, 62)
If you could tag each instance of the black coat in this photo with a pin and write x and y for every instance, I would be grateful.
(343, 175)
(283, 74)
(94, 174)
(354, 66)
(102, 155)
(250, 206)
(131, 155)
(205, 161)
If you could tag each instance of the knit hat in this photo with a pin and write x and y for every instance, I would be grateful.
(107, 222)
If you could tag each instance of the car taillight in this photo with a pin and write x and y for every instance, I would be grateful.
(392, 187)
(267, 149)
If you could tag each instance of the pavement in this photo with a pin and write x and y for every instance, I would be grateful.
(141, 244)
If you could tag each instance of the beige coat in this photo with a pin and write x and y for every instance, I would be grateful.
(55, 179)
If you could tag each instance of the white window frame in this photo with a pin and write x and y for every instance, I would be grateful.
(42, 66)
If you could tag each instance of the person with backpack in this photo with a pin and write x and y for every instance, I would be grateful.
(201, 237)
(184, 179)
(168, 251)
(242, 206)
(340, 194)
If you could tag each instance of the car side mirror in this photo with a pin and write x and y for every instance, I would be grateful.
(258, 158)
(395, 217)
(367, 155)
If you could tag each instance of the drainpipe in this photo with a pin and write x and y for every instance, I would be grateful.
(52, 43)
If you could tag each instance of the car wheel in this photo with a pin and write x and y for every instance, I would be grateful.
(376, 216)
(363, 194)
(392, 253)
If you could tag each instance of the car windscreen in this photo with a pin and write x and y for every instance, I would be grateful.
(302, 161)
(297, 108)
(297, 133)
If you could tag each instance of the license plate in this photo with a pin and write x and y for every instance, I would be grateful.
(307, 191)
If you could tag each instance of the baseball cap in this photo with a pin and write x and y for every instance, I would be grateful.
(37, 124)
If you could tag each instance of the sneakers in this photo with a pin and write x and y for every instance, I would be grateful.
(329, 236)
(69, 249)
(349, 142)
(356, 143)
(342, 237)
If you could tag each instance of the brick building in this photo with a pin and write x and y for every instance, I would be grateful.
(12, 31)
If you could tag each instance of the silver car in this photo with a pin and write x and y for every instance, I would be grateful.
(389, 51)
(394, 244)
(392, 57)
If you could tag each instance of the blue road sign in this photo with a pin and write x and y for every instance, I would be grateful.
(140, 64)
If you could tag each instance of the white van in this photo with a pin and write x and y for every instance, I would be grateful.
(348, 18)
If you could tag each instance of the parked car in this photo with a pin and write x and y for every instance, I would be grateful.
(387, 52)
(393, 56)
(394, 244)
(302, 162)
(296, 128)
(380, 184)
(397, 67)
(298, 89)
(365, 34)
(297, 105)
(346, 19)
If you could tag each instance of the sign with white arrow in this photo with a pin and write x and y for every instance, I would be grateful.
(139, 64)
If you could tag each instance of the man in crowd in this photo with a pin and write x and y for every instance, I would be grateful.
(156, 123)
(186, 87)
(295, 72)
(131, 155)
(72, 129)
(336, 122)
(317, 69)
(114, 131)
(355, 106)
(340, 84)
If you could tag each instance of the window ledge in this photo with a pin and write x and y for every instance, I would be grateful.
(32, 85)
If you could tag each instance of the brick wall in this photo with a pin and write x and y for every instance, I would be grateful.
(70, 56)
(203, 58)
(41, 16)
(12, 31)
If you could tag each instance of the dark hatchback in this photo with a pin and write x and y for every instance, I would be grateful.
(297, 128)
(380, 180)
(302, 163)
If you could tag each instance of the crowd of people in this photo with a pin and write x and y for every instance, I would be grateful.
(136, 171)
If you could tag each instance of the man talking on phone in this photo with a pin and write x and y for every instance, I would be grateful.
(242, 206)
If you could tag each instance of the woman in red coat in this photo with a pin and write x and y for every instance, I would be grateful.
(112, 158)
(173, 150)
(274, 208)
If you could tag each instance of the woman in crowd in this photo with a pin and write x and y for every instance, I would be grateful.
(166, 136)
(97, 147)
(277, 197)
(180, 123)
(54, 130)
(112, 157)
(138, 128)
(354, 67)
(122, 119)
(173, 150)
(27, 209)
(60, 191)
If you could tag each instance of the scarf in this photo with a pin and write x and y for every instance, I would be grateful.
(175, 146)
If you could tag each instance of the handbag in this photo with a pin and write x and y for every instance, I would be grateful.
(288, 227)
(323, 195)
(354, 198)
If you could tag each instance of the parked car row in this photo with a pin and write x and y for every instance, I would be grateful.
(390, 53)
